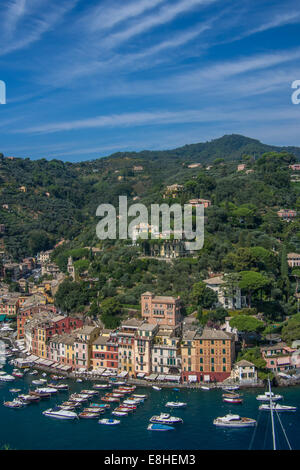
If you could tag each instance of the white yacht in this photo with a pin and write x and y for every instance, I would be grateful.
(278, 407)
(234, 421)
(175, 404)
(7, 378)
(60, 414)
(165, 418)
(269, 396)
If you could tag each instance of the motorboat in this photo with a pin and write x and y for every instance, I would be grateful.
(7, 378)
(131, 407)
(120, 382)
(33, 372)
(17, 373)
(106, 406)
(57, 412)
(109, 421)
(73, 404)
(144, 397)
(57, 377)
(94, 410)
(159, 427)
(67, 408)
(269, 396)
(88, 415)
(119, 413)
(15, 390)
(236, 400)
(14, 403)
(110, 399)
(29, 398)
(278, 407)
(165, 418)
(175, 404)
(101, 386)
(46, 390)
(131, 402)
(90, 392)
(79, 381)
(115, 395)
(125, 409)
(234, 421)
(204, 387)
(59, 386)
(39, 394)
(230, 387)
(39, 382)
(155, 387)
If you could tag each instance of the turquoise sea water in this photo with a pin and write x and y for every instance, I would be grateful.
(28, 428)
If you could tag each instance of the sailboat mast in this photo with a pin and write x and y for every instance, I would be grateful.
(272, 416)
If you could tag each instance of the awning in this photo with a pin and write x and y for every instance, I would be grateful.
(140, 375)
(192, 378)
(151, 377)
(124, 373)
(161, 378)
(173, 378)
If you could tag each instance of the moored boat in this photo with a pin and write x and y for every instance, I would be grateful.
(88, 415)
(14, 403)
(234, 421)
(109, 421)
(159, 427)
(155, 387)
(269, 396)
(175, 404)
(119, 413)
(57, 412)
(277, 407)
(165, 418)
(101, 386)
(235, 400)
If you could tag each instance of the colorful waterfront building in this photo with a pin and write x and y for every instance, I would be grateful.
(207, 355)
(125, 340)
(143, 344)
(161, 310)
(105, 353)
(166, 351)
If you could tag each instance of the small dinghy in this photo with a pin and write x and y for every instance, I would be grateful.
(159, 427)
(90, 392)
(156, 388)
(234, 400)
(105, 406)
(79, 381)
(15, 390)
(144, 397)
(109, 421)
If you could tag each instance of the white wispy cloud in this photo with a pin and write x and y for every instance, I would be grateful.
(208, 114)
(165, 15)
(24, 23)
(104, 17)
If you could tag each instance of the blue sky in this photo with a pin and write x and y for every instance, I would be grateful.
(86, 78)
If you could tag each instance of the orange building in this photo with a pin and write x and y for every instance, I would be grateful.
(207, 355)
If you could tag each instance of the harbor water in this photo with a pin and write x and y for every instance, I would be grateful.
(27, 428)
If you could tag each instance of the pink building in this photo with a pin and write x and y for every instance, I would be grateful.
(295, 167)
(287, 214)
(279, 357)
(241, 167)
(161, 310)
(197, 202)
